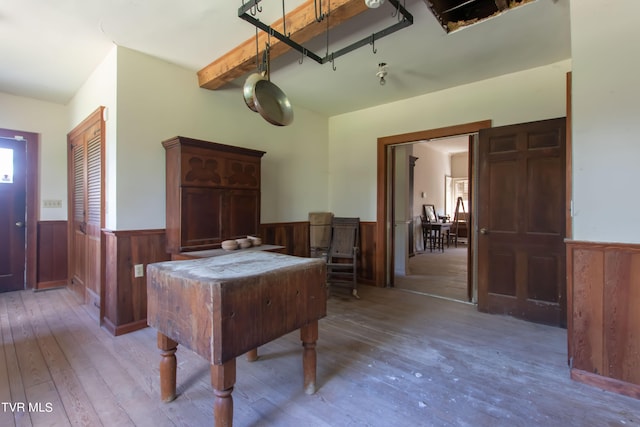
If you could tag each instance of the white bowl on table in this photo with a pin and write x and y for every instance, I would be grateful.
(229, 245)
(244, 243)
(256, 241)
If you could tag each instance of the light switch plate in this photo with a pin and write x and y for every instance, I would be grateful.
(52, 203)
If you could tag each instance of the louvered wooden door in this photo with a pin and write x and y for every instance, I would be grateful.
(86, 216)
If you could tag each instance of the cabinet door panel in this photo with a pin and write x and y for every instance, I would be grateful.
(200, 168)
(201, 221)
(242, 172)
(243, 213)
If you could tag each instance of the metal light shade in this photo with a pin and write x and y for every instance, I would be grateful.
(373, 4)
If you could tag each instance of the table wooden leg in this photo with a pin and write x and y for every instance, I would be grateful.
(309, 336)
(168, 365)
(223, 378)
(252, 355)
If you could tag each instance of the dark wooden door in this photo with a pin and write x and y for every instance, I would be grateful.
(13, 190)
(86, 206)
(521, 218)
(201, 219)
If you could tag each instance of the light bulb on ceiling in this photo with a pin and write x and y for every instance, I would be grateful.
(373, 4)
(382, 72)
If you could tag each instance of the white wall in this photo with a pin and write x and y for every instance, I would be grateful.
(156, 100)
(460, 165)
(100, 90)
(431, 167)
(50, 122)
(606, 120)
(535, 94)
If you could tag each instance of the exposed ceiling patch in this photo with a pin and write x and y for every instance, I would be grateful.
(456, 14)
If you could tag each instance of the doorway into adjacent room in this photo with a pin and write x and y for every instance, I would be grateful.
(436, 259)
(516, 263)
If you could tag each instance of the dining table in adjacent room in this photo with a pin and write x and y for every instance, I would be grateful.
(226, 306)
(434, 234)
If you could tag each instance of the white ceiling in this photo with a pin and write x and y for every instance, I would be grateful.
(49, 48)
(452, 145)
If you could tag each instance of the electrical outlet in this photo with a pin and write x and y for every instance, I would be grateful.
(138, 270)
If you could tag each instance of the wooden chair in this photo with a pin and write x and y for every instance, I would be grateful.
(343, 251)
(432, 235)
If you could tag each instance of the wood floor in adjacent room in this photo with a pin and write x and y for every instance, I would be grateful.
(437, 273)
(392, 358)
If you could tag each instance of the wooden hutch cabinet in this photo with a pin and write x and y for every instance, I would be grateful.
(213, 193)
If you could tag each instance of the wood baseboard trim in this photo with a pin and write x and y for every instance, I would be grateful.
(123, 329)
(609, 384)
(43, 286)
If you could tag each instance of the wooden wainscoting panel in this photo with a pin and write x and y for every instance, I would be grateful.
(604, 320)
(294, 236)
(587, 305)
(109, 296)
(125, 296)
(52, 255)
(94, 283)
(367, 259)
(621, 315)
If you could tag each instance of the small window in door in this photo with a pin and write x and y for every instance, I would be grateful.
(6, 166)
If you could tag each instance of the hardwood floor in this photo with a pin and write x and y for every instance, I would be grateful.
(392, 358)
(438, 274)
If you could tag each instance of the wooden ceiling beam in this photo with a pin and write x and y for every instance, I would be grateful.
(301, 24)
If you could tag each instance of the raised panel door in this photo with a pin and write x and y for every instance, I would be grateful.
(521, 254)
(202, 217)
(242, 172)
(201, 167)
(243, 213)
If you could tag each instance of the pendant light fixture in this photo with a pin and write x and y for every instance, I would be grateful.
(382, 72)
(373, 4)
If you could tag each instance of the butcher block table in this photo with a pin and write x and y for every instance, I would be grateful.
(225, 306)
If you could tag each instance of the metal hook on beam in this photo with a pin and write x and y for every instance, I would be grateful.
(373, 43)
(284, 21)
(255, 9)
(319, 16)
(395, 13)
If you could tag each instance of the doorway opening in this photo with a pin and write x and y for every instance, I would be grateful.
(385, 224)
(432, 195)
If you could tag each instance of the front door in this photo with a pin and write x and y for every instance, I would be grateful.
(13, 192)
(521, 219)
